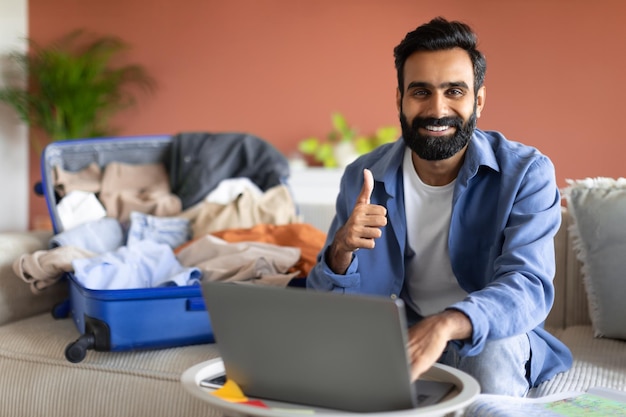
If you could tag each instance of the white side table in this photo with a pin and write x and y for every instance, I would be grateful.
(467, 389)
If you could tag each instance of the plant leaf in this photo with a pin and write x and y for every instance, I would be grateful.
(309, 146)
(386, 134)
(73, 87)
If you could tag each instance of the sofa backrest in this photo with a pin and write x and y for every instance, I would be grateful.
(570, 303)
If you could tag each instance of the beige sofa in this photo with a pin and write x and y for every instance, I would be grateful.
(37, 380)
(598, 362)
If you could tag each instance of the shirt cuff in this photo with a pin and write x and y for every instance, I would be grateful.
(352, 278)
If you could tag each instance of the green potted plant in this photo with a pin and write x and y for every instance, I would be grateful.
(73, 86)
(343, 143)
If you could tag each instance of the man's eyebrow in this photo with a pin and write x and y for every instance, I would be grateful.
(422, 84)
(461, 84)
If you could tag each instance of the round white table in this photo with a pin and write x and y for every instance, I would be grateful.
(467, 388)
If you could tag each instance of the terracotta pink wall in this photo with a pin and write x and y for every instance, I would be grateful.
(278, 68)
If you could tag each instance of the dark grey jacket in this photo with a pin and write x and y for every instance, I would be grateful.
(200, 160)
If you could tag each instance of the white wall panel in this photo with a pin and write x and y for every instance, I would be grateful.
(14, 188)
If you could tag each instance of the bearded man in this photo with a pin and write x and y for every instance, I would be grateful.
(457, 222)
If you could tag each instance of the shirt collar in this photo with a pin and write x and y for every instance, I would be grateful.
(479, 153)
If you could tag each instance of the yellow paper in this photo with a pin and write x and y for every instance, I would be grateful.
(230, 391)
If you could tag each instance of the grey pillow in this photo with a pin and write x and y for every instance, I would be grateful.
(598, 210)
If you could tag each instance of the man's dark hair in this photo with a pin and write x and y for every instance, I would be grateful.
(436, 35)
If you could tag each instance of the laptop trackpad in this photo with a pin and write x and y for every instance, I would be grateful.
(431, 392)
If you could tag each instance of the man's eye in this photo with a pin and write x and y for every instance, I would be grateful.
(420, 92)
(455, 92)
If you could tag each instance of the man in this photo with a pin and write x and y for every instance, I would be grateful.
(456, 221)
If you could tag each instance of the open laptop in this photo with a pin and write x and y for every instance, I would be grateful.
(341, 352)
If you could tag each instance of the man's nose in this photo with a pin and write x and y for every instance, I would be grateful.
(438, 106)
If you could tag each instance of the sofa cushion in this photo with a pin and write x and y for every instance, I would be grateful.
(37, 380)
(598, 210)
(598, 362)
(17, 301)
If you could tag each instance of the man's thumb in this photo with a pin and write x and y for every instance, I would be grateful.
(368, 187)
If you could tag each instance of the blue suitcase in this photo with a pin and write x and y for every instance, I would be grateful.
(119, 320)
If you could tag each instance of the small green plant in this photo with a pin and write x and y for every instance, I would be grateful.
(73, 87)
(325, 151)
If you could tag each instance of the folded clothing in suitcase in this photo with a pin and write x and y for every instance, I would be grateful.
(159, 317)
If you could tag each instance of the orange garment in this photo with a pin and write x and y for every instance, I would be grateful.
(309, 239)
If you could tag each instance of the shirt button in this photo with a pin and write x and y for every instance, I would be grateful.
(394, 296)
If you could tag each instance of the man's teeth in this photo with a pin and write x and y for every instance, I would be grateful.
(437, 128)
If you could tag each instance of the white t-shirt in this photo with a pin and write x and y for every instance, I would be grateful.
(431, 286)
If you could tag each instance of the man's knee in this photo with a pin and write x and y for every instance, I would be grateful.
(501, 368)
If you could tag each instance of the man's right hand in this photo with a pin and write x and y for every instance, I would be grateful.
(363, 226)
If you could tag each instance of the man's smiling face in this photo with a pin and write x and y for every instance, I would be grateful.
(438, 107)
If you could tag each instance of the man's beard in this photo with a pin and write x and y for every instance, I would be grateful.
(437, 148)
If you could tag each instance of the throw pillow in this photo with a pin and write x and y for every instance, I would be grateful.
(598, 210)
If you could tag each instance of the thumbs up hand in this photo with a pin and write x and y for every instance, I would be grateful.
(368, 187)
(361, 229)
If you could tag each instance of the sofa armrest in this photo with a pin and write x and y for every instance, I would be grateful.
(556, 318)
(17, 301)
(577, 304)
(570, 303)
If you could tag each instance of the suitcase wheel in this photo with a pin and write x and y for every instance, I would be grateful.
(61, 310)
(76, 351)
(38, 188)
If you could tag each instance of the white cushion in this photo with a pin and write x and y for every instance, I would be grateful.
(598, 210)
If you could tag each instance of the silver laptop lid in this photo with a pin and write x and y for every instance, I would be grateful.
(344, 352)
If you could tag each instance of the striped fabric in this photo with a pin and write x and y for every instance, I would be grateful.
(597, 363)
(37, 380)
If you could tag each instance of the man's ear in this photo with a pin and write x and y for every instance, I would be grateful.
(398, 100)
(480, 100)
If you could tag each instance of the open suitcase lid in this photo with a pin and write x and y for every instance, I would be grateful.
(196, 161)
(74, 155)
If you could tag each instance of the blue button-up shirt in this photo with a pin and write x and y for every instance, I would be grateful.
(505, 214)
